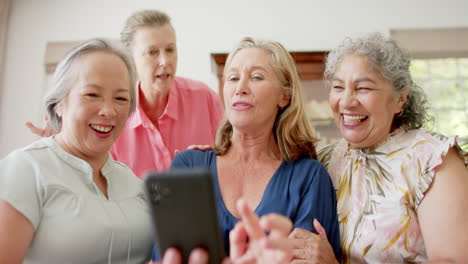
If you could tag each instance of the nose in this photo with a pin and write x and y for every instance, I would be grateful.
(108, 109)
(163, 59)
(242, 87)
(348, 98)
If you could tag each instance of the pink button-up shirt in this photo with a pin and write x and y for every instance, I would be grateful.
(192, 116)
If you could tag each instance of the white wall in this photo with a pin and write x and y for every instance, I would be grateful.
(203, 27)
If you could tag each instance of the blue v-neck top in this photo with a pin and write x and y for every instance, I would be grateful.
(301, 190)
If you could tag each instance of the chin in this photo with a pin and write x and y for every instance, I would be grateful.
(352, 138)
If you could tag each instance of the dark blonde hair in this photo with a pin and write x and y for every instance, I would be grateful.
(144, 18)
(292, 129)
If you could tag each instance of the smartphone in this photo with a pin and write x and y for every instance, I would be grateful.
(184, 212)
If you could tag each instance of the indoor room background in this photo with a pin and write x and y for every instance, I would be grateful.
(203, 27)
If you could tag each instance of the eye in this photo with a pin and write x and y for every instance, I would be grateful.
(122, 98)
(170, 50)
(233, 78)
(364, 89)
(152, 52)
(257, 77)
(337, 87)
(91, 95)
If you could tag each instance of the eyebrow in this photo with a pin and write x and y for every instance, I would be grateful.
(93, 85)
(255, 67)
(363, 79)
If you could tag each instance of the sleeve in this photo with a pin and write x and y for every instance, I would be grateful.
(324, 154)
(430, 152)
(318, 200)
(19, 186)
(182, 160)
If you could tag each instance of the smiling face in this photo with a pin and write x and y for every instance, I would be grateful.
(97, 106)
(252, 91)
(154, 51)
(363, 102)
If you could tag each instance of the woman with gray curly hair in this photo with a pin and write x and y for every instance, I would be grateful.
(401, 190)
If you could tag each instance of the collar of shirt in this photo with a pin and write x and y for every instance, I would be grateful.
(139, 117)
(78, 163)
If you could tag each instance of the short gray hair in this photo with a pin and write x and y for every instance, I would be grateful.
(64, 74)
(141, 19)
(392, 62)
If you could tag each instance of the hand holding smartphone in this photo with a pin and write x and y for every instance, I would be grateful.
(184, 212)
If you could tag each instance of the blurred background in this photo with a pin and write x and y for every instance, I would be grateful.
(34, 34)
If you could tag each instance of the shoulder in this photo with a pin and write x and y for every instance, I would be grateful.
(29, 153)
(126, 180)
(427, 146)
(309, 169)
(122, 169)
(324, 153)
(194, 89)
(190, 85)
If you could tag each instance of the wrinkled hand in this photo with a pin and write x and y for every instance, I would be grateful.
(311, 248)
(249, 243)
(47, 131)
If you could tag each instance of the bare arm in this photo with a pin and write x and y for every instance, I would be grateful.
(17, 232)
(443, 213)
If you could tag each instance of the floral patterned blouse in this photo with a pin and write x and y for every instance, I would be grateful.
(378, 191)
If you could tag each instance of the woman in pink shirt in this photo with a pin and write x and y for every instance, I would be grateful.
(172, 112)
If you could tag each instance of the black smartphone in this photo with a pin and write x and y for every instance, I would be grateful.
(184, 212)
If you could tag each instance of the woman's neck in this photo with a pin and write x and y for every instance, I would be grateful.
(250, 147)
(153, 103)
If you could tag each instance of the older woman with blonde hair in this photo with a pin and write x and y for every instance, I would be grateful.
(264, 151)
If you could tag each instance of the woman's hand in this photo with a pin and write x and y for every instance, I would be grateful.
(173, 256)
(250, 244)
(197, 147)
(310, 247)
(197, 256)
(47, 131)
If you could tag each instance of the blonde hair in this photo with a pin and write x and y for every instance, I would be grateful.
(141, 19)
(292, 129)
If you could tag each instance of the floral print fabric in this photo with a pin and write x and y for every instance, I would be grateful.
(378, 191)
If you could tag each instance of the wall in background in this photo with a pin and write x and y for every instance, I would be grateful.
(203, 27)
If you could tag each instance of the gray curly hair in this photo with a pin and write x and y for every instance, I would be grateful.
(393, 63)
(62, 81)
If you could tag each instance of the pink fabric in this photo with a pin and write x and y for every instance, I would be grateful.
(192, 116)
